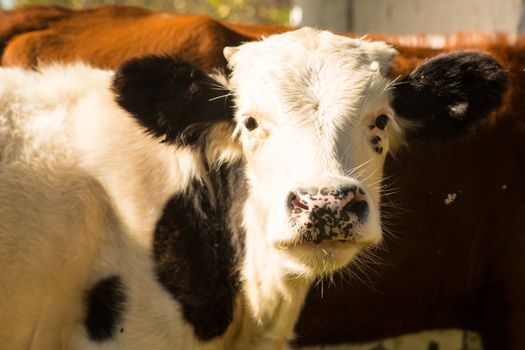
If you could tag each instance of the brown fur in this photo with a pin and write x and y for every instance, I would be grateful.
(31, 19)
(26, 19)
(459, 264)
(106, 36)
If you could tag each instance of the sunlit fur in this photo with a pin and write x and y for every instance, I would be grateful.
(83, 185)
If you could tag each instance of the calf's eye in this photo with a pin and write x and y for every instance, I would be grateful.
(381, 121)
(250, 123)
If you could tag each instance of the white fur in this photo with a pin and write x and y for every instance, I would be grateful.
(82, 187)
(314, 103)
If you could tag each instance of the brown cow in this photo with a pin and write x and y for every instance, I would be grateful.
(107, 36)
(36, 18)
(456, 255)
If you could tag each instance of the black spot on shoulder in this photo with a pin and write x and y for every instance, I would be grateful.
(105, 303)
(198, 249)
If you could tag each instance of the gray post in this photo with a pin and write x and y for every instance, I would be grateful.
(334, 15)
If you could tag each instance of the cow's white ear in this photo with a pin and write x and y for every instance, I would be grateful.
(229, 51)
(383, 56)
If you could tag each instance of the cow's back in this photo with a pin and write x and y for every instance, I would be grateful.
(76, 179)
(109, 40)
(55, 216)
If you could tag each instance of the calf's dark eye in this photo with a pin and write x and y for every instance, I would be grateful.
(250, 123)
(381, 121)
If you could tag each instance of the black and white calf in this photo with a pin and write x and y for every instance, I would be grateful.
(159, 207)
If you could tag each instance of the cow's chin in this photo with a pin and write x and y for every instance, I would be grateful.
(313, 259)
(305, 252)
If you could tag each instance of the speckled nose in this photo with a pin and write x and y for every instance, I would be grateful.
(328, 213)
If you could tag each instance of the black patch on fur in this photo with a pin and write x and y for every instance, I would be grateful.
(375, 140)
(105, 303)
(198, 248)
(171, 98)
(450, 92)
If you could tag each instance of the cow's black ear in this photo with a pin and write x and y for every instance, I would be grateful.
(447, 94)
(171, 98)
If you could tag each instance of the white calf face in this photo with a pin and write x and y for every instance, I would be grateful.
(312, 113)
(312, 110)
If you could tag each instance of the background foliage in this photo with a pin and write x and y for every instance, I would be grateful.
(260, 11)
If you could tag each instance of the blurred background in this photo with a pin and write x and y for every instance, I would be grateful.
(357, 16)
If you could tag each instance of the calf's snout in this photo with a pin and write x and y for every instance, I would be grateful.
(328, 213)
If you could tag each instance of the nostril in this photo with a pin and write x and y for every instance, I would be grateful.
(298, 204)
(294, 202)
(360, 208)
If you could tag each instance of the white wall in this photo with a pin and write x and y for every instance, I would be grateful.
(435, 16)
(328, 14)
(412, 16)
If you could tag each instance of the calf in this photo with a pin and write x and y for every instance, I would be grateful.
(163, 208)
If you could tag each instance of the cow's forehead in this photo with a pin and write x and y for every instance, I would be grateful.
(309, 69)
(306, 46)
